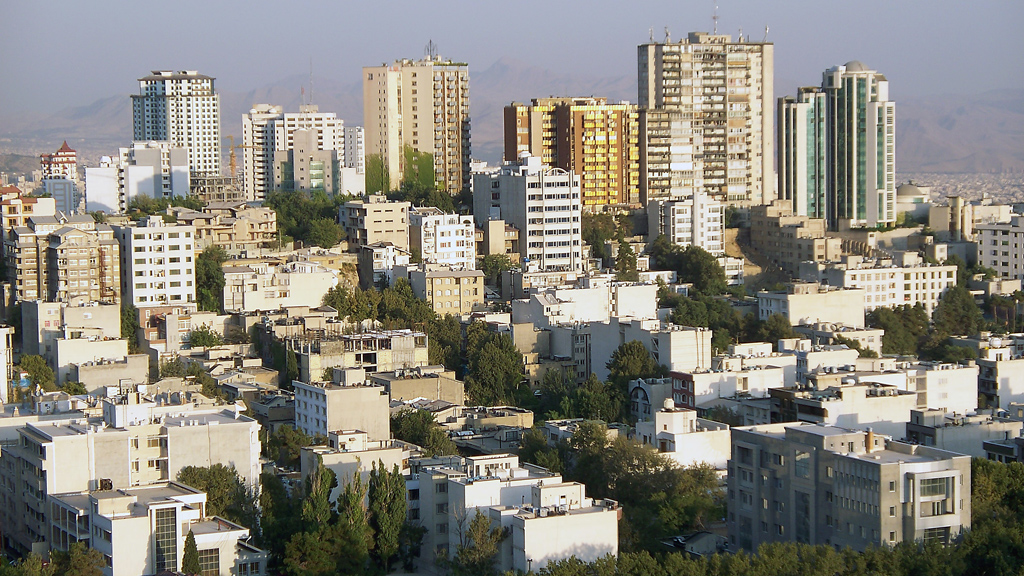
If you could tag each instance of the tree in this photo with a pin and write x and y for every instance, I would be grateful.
(444, 341)
(378, 179)
(173, 368)
(495, 371)
(625, 263)
(324, 232)
(190, 556)
(631, 361)
(210, 278)
(311, 553)
(493, 265)
(316, 506)
(419, 427)
(226, 496)
(698, 266)
(534, 448)
(204, 337)
(74, 388)
(77, 561)
(130, 325)
(957, 313)
(598, 229)
(356, 539)
(855, 345)
(478, 549)
(775, 328)
(285, 445)
(39, 372)
(387, 511)
(905, 328)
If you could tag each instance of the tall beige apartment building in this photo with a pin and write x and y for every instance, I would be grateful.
(589, 136)
(422, 104)
(710, 110)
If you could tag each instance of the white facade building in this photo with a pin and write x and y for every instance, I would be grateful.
(266, 286)
(887, 282)
(321, 408)
(543, 203)
(678, 434)
(157, 263)
(1001, 247)
(153, 169)
(695, 221)
(447, 239)
(182, 108)
(355, 148)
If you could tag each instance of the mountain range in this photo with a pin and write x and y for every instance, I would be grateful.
(979, 133)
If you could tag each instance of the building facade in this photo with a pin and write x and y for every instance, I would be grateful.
(698, 220)
(719, 95)
(445, 239)
(803, 152)
(819, 484)
(153, 169)
(375, 219)
(1001, 247)
(543, 203)
(62, 164)
(417, 106)
(157, 263)
(588, 136)
(182, 108)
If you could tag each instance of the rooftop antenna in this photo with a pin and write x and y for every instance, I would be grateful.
(668, 37)
(310, 79)
(431, 50)
(741, 34)
(651, 31)
(714, 18)
(765, 33)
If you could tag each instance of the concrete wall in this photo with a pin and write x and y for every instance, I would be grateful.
(97, 375)
(80, 351)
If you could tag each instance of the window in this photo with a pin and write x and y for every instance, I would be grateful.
(442, 508)
(933, 487)
(166, 539)
(892, 511)
(802, 466)
(892, 486)
(209, 562)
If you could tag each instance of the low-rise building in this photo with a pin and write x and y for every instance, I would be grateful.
(694, 388)
(862, 406)
(449, 291)
(323, 407)
(787, 239)
(267, 286)
(351, 452)
(903, 281)
(430, 382)
(1001, 377)
(234, 226)
(375, 219)
(820, 484)
(810, 303)
(143, 530)
(960, 433)
(445, 239)
(678, 434)
(380, 262)
(333, 345)
(831, 333)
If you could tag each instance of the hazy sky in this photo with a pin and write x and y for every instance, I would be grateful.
(61, 53)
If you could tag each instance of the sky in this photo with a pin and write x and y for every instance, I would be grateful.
(62, 53)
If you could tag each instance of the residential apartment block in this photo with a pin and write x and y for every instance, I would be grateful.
(61, 165)
(1001, 247)
(375, 219)
(587, 136)
(810, 302)
(157, 262)
(332, 345)
(236, 227)
(422, 106)
(787, 239)
(449, 291)
(819, 484)
(266, 286)
(143, 529)
(67, 259)
(886, 282)
(718, 95)
(323, 407)
(153, 169)
(543, 203)
(182, 108)
(135, 442)
(378, 263)
(445, 239)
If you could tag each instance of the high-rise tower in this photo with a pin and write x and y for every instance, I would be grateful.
(184, 109)
(709, 103)
(837, 149)
(417, 106)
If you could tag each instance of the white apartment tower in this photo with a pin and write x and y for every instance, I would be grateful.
(713, 98)
(423, 105)
(446, 239)
(543, 203)
(355, 148)
(268, 129)
(694, 221)
(155, 169)
(184, 109)
(157, 263)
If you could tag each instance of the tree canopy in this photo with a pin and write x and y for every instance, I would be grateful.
(210, 279)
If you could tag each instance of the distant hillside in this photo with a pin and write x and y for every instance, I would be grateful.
(18, 163)
(961, 134)
(981, 133)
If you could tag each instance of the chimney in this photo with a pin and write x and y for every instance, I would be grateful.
(870, 439)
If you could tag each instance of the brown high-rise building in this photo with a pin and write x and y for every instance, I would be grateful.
(594, 139)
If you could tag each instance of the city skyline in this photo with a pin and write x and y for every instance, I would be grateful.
(912, 43)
